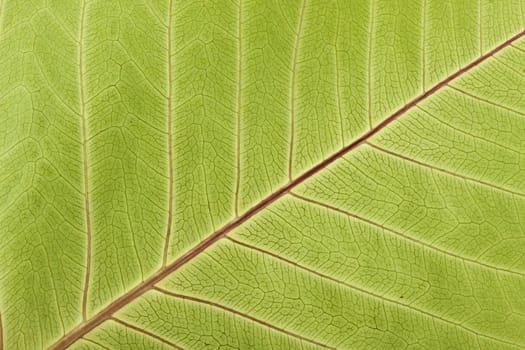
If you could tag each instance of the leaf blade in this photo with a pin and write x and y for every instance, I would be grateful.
(129, 168)
(217, 235)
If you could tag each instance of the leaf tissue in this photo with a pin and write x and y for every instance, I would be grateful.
(262, 174)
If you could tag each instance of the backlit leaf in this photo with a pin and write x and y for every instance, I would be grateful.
(262, 174)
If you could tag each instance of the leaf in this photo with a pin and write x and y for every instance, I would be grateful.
(262, 174)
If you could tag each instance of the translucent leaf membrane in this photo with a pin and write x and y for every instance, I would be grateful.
(262, 174)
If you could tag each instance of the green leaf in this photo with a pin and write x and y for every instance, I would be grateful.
(262, 174)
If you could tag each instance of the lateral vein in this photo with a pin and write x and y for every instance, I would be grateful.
(486, 101)
(239, 101)
(292, 88)
(241, 314)
(83, 118)
(369, 61)
(404, 236)
(170, 142)
(444, 171)
(145, 332)
(367, 292)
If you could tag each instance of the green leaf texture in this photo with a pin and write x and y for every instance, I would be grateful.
(262, 174)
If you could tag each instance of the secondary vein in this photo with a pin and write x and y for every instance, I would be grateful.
(369, 61)
(241, 314)
(170, 142)
(405, 236)
(239, 100)
(364, 291)
(444, 171)
(145, 332)
(83, 118)
(292, 88)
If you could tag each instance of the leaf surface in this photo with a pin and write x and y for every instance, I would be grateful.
(262, 174)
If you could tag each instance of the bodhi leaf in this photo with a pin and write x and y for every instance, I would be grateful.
(262, 174)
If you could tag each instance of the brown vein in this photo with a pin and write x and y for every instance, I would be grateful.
(95, 343)
(369, 60)
(241, 314)
(365, 291)
(423, 53)
(492, 103)
(404, 236)
(104, 314)
(337, 85)
(480, 27)
(441, 170)
(465, 132)
(145, 332)
(170, 142)
(83, 118)
(239, 100)
(517, 47)
(292, 88)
